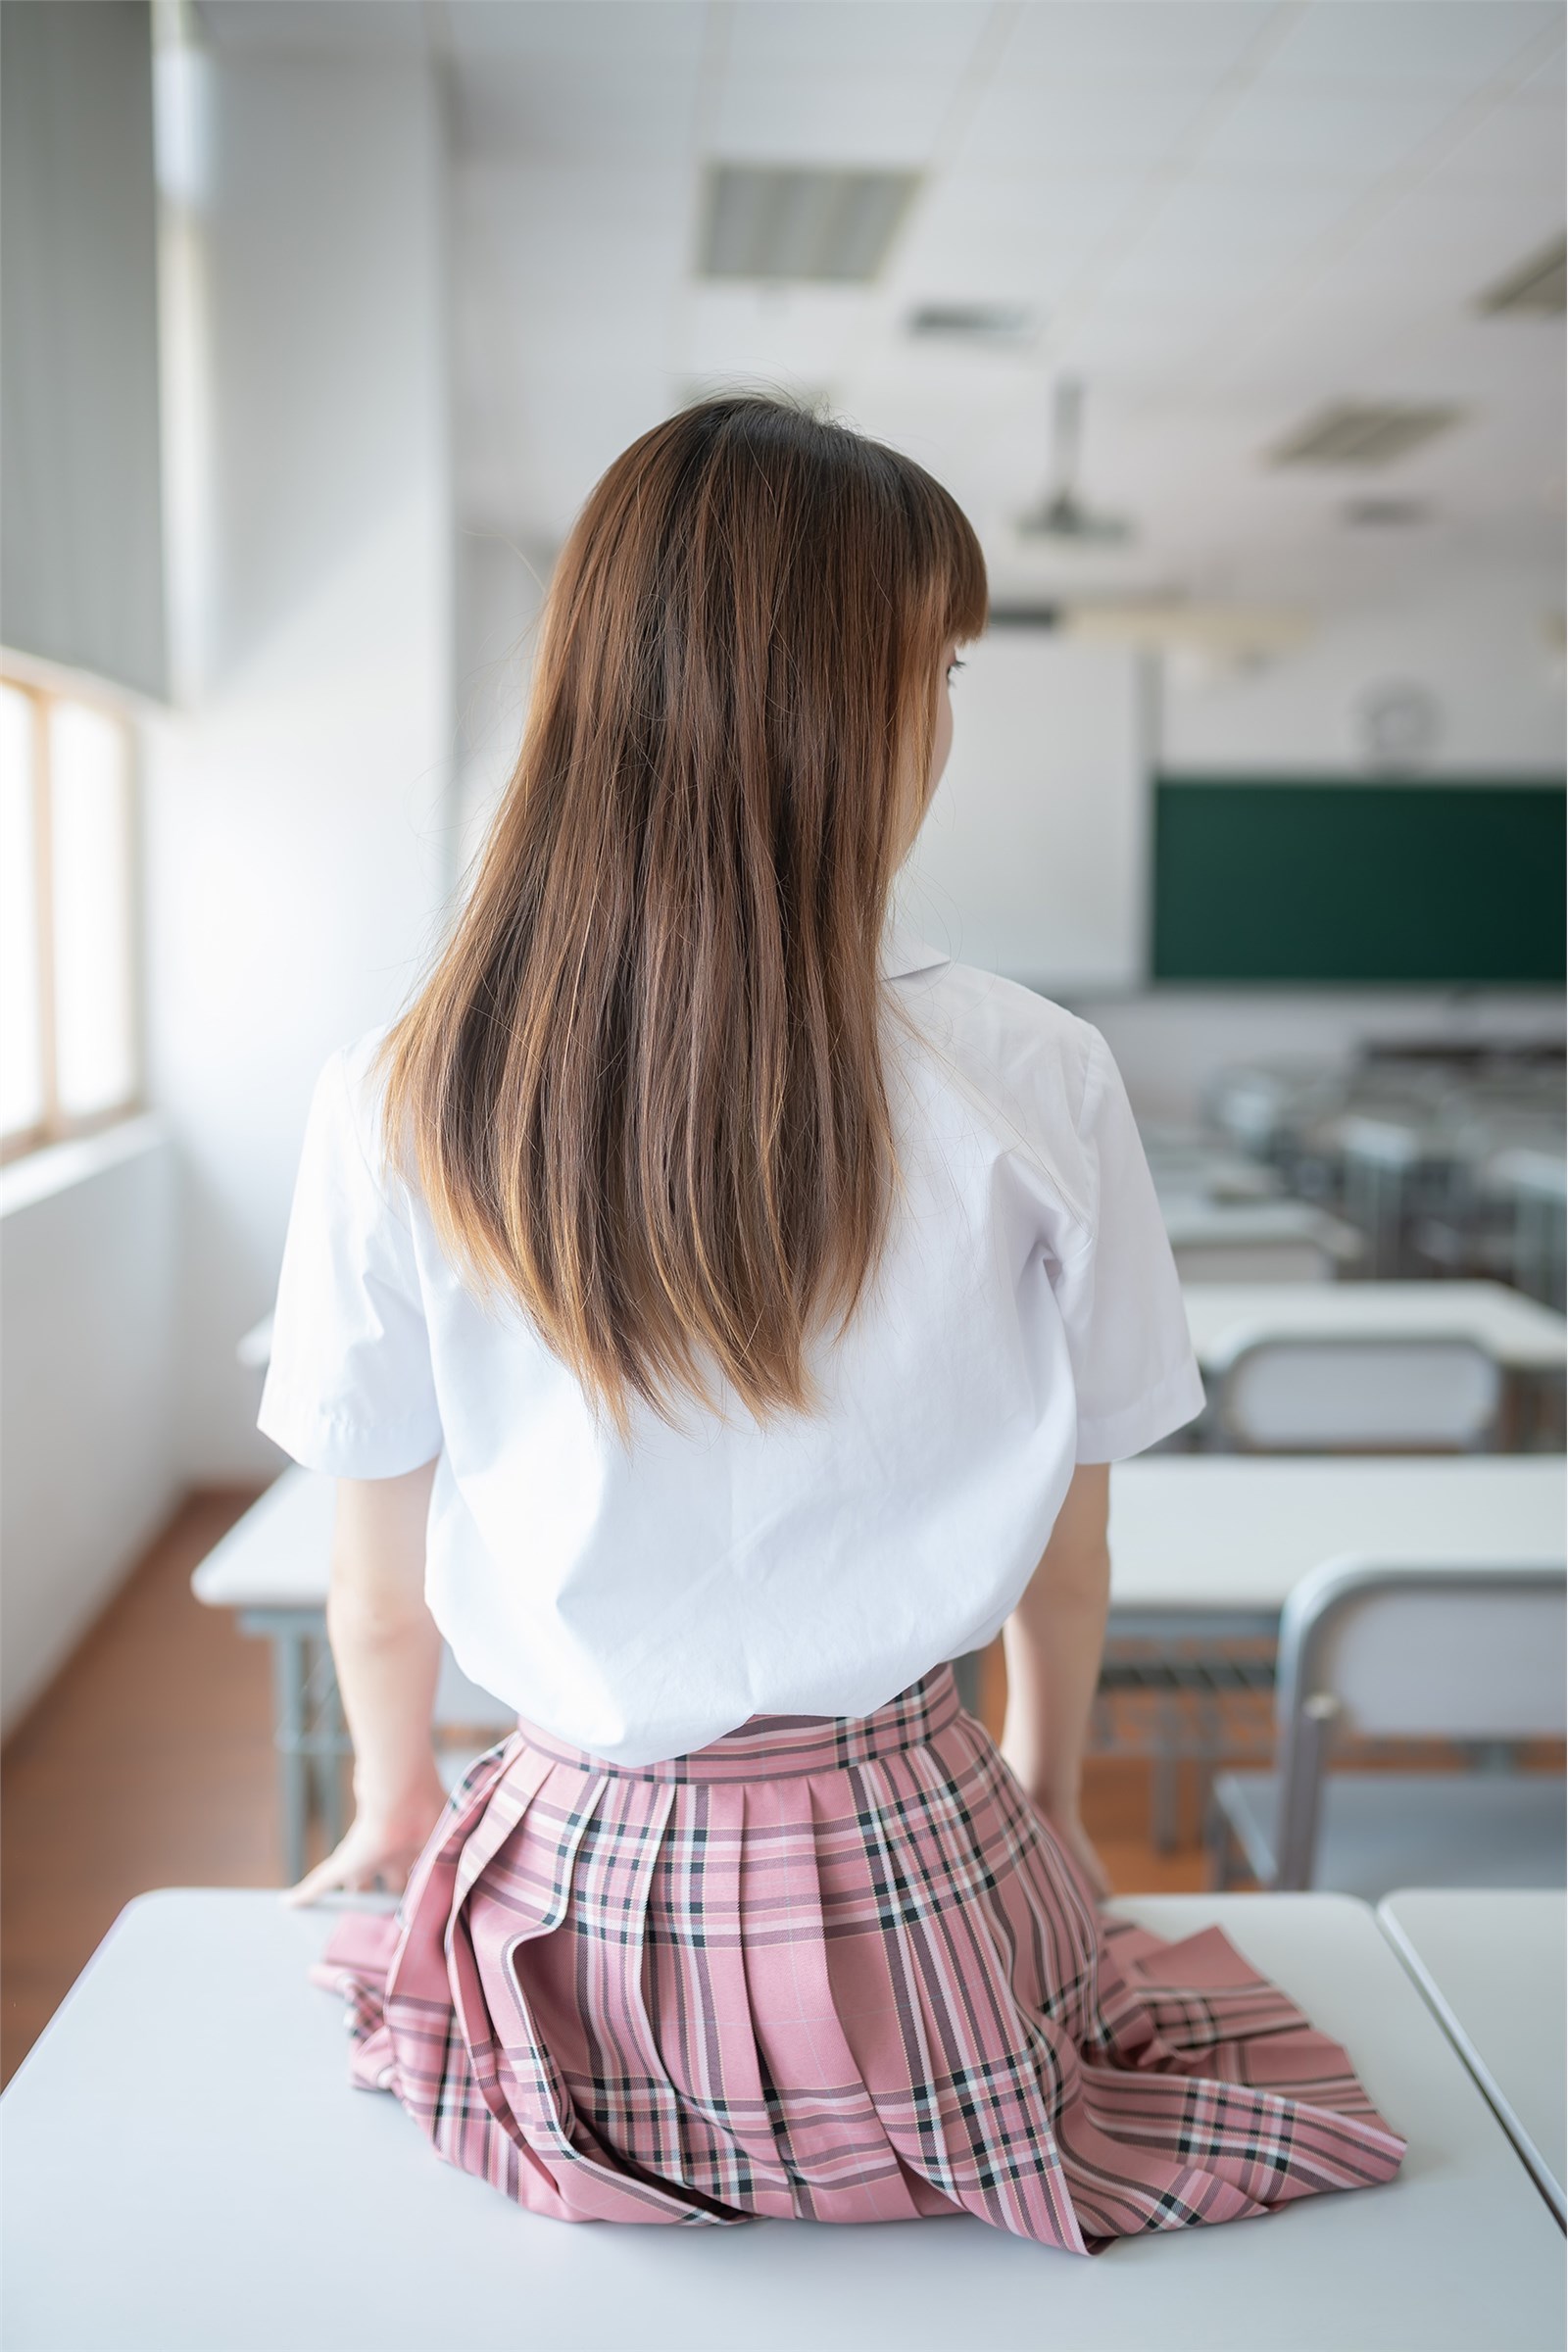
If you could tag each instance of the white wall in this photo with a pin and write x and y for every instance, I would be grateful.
(89, 1275)
(298, 832)
(500, 585)
(1033, 857)
(1167, 1044)
(1476, 641)
(1473, 637)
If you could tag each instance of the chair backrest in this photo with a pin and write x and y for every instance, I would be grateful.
(1312, 1393)
(1390, 1649)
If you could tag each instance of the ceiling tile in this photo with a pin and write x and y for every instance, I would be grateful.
(801, 332)
(1129, 41)
(1461, 43)
(1285, 265)
(1516, 142)
(595, 32)
(551, 108)
(1548, 85)
(353, 27)
(853, 36)
(542, 209)
(862, 118)
(1216, 231)
(1055, 127)
(1022, 234)
(1337, 132)
(1447, 240)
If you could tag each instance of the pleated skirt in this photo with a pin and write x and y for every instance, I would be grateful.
(832, 1970)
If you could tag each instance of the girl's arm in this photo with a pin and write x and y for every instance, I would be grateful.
(387, 1652)
(1053, 1644)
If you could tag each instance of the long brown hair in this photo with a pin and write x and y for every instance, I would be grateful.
(643, 1080)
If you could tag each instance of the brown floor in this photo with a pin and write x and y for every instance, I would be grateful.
(110, 1787)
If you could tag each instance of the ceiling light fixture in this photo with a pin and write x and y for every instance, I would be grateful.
(783, 222)
(1537, 285)
(1385, 513)
(1352, 432)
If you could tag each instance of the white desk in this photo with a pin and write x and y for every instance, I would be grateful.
(1221, 1538)
(277, 1555)
(1194, 1223)
(1527, 1168)
(1209, 1177)
(187, 2169)
(273, 1569)
(1191, 1532)
(1273, 1242)
(1205, 1548)
(1519, 1332)
(1494, 1967)
(1228, 1533)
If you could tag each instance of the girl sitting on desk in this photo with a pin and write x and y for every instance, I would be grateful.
(721, 1308)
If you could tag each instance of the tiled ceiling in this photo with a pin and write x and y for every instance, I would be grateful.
(1225, 216)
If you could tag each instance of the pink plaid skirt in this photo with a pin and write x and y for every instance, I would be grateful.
(837, 1970)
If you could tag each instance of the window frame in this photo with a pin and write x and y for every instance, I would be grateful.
(54, 1125)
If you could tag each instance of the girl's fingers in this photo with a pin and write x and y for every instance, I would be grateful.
(336, 1872)
(320, 1881)
(389, 1871)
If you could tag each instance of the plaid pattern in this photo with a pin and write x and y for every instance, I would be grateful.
(834, 1970)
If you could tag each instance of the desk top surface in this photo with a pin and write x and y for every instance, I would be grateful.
(187, 2120)
(1519, 1332)
(1190, 1219)
(1495, 1965)
(1187, 1531)
(1216, 1532)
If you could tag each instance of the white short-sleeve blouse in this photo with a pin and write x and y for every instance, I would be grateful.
(1027, 1316)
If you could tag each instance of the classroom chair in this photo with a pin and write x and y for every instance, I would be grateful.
(1382, 1651)
(1311, 1394)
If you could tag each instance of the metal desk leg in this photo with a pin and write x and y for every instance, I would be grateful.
(1163, 1825)
(1541, 1411)
(288, 1733)
(327, 1756)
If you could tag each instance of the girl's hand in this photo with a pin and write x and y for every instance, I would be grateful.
(381, 1846)
(1071, 1833)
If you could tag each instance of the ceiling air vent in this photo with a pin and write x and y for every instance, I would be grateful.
(775, 222)
(1385, 513)
(971, 321)
(1536, 285)
(1360, 433)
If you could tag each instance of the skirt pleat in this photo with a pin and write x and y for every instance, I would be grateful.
(828, 1970)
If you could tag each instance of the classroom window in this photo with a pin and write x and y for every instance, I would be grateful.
(68, 1024)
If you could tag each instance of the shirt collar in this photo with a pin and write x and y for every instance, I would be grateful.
(904, 951)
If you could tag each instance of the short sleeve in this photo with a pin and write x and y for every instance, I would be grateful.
(349, 1389)
(1120, 1295)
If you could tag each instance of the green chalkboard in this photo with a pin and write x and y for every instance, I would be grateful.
(1298, 879)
